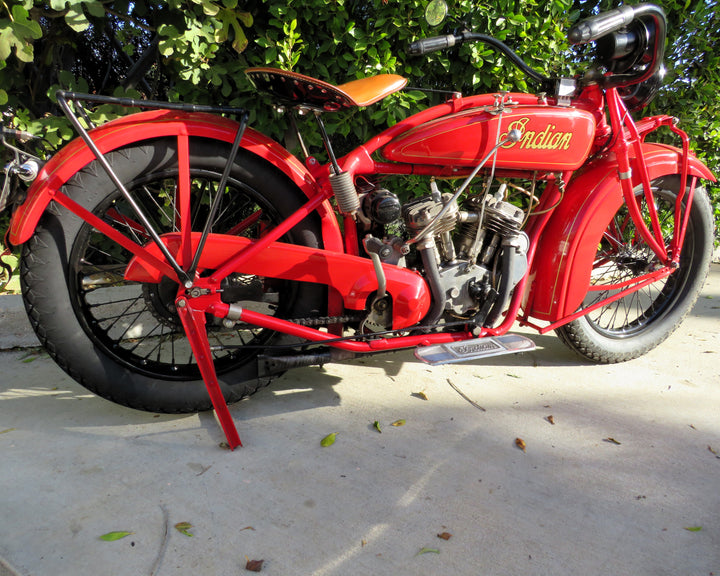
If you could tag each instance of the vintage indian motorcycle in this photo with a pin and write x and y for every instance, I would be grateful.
(174, 260)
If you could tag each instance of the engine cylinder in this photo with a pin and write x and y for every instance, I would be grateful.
(419, 213)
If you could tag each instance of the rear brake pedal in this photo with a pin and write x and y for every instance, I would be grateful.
(465, 350)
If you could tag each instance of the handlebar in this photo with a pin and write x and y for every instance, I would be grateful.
(643, 40)
(600, 25)
(425, 45)
(651, 41)
(607, 22)
(16, 134)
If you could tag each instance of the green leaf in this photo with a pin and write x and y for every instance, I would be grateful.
(18, 33)
(184, 528)
(221, 33)
(329, 440)
(95, 8)
(693, 528)
(376, 425)
(241, 41)
(208, 7)
(6, 42)
(428, 551)
(246, 18)
(517, 19)
(400, 422)
(77, 20)
(112, 536)
(168, 30)
(23, 23)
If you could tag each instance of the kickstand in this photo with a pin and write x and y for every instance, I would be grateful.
(194, 324)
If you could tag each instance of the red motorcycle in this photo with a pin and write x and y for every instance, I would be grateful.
(175, 260)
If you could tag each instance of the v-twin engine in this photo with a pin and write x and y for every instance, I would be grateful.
(473, 254)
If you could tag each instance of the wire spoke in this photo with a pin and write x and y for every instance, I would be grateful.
(623, 256)
(137, 322)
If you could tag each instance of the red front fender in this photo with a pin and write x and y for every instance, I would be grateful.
(560, 273)
(154, 124)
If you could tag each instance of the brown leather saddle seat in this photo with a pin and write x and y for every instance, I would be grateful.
(298, 90)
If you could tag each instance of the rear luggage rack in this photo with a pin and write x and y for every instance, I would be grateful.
(64, 98)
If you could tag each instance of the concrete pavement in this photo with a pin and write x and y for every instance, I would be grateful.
(619, 475)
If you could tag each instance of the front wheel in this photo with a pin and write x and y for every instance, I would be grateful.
(124, 340)
(636, 323)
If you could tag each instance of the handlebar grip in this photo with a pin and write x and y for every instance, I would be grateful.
(17, 134)
(425, 45)
(600, 25)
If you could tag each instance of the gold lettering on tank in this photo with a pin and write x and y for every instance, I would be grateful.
(546, 139)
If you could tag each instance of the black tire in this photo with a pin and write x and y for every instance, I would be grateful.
(124, 340)
(636, 323)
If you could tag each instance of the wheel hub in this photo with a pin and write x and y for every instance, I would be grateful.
(160, 300)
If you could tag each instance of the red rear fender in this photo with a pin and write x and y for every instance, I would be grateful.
(154, 124)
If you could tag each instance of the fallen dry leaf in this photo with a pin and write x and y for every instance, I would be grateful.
(254, 565)
(612, 441)
(712, 451)
(445, 535)
(329, 440)
(520, 443)
(550, 419)
(420, 395)
(184, 528)
(113, 536)
(400, 422)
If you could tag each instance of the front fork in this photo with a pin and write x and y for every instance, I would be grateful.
(629, 138)
(24, 167)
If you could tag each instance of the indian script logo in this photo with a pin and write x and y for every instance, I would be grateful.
(547, 139)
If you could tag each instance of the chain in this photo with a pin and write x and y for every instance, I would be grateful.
(325, 320)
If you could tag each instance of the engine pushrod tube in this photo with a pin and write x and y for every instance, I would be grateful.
(513, 136)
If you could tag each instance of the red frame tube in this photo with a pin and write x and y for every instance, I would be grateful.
(381, 344)
(626, 135)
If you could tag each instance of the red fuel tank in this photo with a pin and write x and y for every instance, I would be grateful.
(553, 139)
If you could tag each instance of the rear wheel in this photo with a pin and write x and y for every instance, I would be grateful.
(634, 324)
(124, 340)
